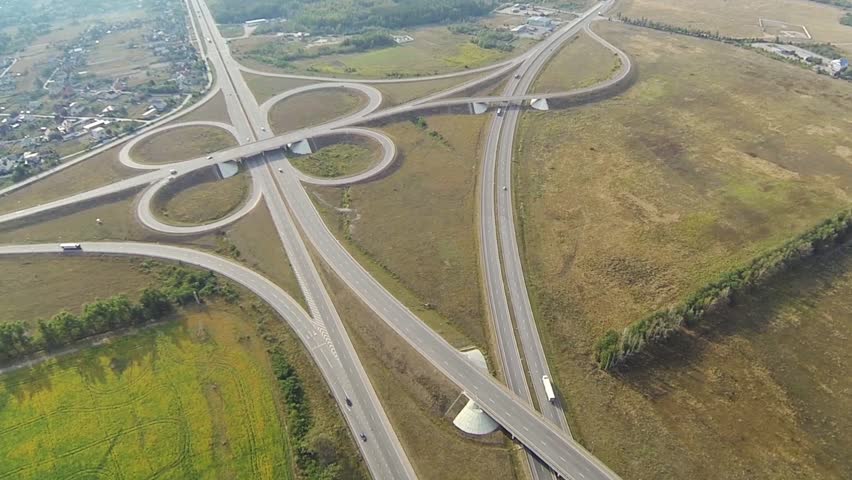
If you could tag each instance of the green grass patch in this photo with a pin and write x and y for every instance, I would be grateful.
(181, 399)
(336, 160)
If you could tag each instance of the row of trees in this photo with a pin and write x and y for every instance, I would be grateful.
(274, 55)
(692, 32)
(178, 286)
(343, 16)
(614, 348)
(315, 458)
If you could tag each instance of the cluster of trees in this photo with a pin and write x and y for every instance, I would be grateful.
(485, 37)
(614, 348)
(347, 16)
(178, 285)
(315, 458)
(846, 19)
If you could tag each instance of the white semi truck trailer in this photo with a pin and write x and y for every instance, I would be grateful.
(548, 388)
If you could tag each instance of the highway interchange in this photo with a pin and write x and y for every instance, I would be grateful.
(544, 434)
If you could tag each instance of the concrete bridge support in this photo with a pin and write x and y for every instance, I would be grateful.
(540, 104)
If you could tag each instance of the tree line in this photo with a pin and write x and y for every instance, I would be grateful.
(178, 286)
(614, 347)
(342, 16)
(273, 54)
(310, 460)
(692, 32)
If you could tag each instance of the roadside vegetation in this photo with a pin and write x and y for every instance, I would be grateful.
(182, 143)
(201, 197)
(705, 164)
(338, 160)
(416, 228)
(314, 108)
(224, 386)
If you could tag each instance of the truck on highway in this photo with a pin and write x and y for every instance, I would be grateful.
(548, 388)
(70, 246)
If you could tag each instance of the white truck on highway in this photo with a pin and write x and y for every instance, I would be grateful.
(548, 388)
(70, 246)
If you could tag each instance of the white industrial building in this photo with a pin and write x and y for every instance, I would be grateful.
(839, 65)
(542, 22)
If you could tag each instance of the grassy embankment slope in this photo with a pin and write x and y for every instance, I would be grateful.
(714, 155)
(194, 396)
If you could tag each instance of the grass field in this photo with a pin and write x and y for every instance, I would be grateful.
(201, 197)
(580, 63)
(313, 108)
(417, 226)
(338, 160)
(715, 154)
(194, 397)
(398, 93)
(100, 170)
(215, 110)
(182, 143)
(434, 50)
(32, 274)
(740, 19)
(416, 397)
(187, 399)
(231, 30)
(113, 57)
(265, 88)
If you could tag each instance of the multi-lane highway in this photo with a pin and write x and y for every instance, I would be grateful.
(281, 185)
(498, 243)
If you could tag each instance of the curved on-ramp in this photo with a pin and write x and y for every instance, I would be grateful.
(388, 156)
(145, 211)
(374, 97)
